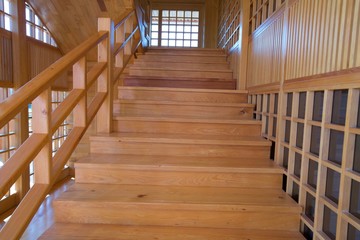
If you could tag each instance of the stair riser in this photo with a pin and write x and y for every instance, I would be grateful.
(176, 178)
(180, 73)
(179, 66)
(169, 110)
(171, 83)
(184, 52)
(171, 149)
(182, 96)
(186, 128)
(138, 214)
(175, 58)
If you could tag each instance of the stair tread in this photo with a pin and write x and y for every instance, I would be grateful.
(160, 102)
(186, 119)
(65, 231)
(183, 138)
(183, 198)
(166, 89)
(178, 78)
(182, 54)
(178, 163)
(135, 67)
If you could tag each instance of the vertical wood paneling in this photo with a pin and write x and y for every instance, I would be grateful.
(40, 57)
(332, 33)
(6, 66)
(265, 55)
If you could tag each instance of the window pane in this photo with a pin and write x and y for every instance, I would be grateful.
(336, 146)
(165, 28)
(318, 105)
(154, 42)
(194, 44)
(187, 36)
(300, 135)
(274, 127)
(276, 103)
(287, 131)
(358, 118)
(289, 104)
(356, 166)
(297, 165)
(353, 233)
(339, 107)
(286, 158)
(154, 28)
(310, 206)
(308, 234)
(180, 13)
(332, 185)
(315, 140)
(164, 43)
(329, 224)
(302, 105)
(179, 43)
(172, 43)
(155, 13)
(312, 174)
(195, 14)
(165, 13)
(194, 36)
(154, 35)
(295, 192)
(355, 199)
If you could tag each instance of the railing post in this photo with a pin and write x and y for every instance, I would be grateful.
(41, 112)
(129, 27)
(80, 81)
(105, 81)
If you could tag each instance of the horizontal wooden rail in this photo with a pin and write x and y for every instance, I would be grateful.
(46, 122)
(11, 106)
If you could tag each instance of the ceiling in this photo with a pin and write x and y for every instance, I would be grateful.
(72, 21)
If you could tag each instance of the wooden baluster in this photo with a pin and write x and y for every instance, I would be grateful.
(80, 80)
(105, 81)
(120, 38)
(129, 27)
(41, 112)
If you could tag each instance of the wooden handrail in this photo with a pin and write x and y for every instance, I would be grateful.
(37, 147)
(12, 105)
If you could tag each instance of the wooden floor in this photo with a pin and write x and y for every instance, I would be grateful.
(44, 217)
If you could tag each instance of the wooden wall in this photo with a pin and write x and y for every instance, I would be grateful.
(6, 71)
(40, 56)
(321, 37)
(72, 21)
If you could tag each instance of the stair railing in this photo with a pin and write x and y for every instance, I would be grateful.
(116, 42)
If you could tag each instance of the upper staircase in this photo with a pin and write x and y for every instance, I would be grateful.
(185, 161)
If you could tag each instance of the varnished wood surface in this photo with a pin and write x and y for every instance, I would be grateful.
(176, 82)
(182, 95)
(178, 171)
(72, 22)
(63, 231)
(124, 123)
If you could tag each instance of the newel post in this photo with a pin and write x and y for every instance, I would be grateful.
(106, 79)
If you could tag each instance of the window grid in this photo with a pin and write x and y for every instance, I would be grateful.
(7, 137)
(175, 28)
(35, 28)
(336, 195)
(5, 17)
(260, 10)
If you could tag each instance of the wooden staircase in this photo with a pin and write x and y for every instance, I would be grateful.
(182, 163)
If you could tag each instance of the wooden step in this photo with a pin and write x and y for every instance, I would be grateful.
(183, 58)
(180, 82)
(66, 231)
(181, 72)
(179, 66)
(183, 95)
(182, 109)
(180, 145)
(186, 125)
(178, 171)
(245, 208)
(190, 51)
